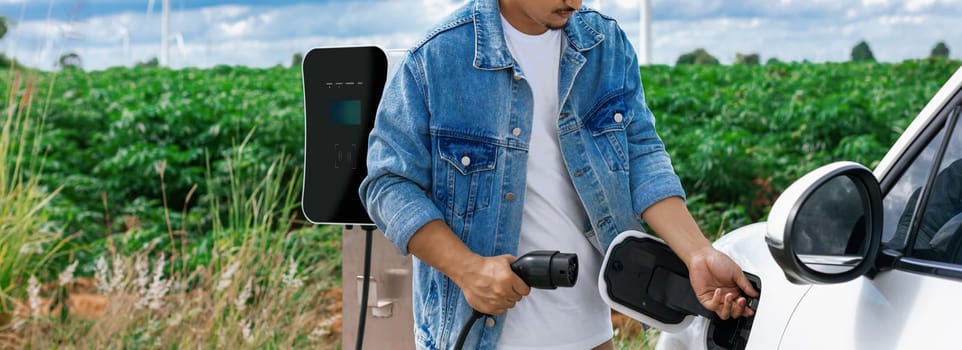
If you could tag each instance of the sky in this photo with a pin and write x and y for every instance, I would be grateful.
(204, 33)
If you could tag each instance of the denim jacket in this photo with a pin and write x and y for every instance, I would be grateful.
(450, 142)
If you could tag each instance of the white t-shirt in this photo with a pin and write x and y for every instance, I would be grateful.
(573, 318)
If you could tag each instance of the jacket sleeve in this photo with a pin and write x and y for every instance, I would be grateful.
(651, 174)
(399, 158)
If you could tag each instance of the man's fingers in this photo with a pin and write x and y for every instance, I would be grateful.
(725, 311)
(518, 286)
(738, 308)
(496, 312)
(745, 285)
(716, 300)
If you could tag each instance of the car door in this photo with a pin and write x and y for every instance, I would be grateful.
(912, 296)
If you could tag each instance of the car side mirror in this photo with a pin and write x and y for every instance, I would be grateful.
(826, 227)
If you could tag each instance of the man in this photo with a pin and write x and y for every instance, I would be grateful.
(519, 125)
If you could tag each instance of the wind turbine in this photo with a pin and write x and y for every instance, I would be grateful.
(644, 32)
(124, 34)
(644, 29)
(164, 30)
(179, 38)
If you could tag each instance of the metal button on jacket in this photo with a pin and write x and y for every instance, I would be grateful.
(619, 117)
(465, 160)
(516, 132)
(509, 196)
(490, 322)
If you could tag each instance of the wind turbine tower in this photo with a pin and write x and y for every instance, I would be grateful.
(644, 29)
(644, 25)
(164, 34)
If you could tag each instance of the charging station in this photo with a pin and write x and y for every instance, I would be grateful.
(342, 89)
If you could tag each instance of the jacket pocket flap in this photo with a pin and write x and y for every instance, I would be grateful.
(610, 115)
(468, 156)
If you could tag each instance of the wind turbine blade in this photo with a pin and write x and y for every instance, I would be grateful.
(180, 43)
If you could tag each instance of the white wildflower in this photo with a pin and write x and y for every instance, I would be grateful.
(19, 323)
(102, 275)
(175, 320)
(143, 280)
(247, 331)
(290, 279)
(33, 295)
(245, 294)
(67, 275)
(323, 329)
(159, 287)
(118, 275)
(31, 248)
(227, 276)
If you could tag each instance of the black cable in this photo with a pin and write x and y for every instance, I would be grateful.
(365, 289)
(467, 329)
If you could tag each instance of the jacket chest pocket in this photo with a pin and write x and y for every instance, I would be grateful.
(464, 175)
(607, 123)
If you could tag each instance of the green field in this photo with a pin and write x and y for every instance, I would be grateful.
(203, 167)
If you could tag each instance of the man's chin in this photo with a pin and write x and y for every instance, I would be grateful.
(556, 26)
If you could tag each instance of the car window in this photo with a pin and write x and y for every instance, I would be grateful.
(899, 203)
(939, 234)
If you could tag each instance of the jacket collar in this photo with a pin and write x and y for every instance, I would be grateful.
(491, 51)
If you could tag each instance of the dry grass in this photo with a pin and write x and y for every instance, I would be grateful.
(265, 313)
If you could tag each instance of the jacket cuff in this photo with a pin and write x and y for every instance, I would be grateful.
(408, 220)
(656, 189)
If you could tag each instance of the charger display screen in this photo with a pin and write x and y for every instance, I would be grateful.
(345, 112)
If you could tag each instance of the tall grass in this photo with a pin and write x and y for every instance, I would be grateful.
(265, 283)
(25, 241)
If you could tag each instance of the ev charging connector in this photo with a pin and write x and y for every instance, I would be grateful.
(542, 269)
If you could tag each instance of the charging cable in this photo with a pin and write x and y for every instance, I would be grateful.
(366, 287)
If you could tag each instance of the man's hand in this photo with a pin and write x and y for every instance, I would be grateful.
(719, 282)
(489, 285)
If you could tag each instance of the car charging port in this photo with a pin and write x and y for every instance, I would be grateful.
(644, 279)
(732, 334)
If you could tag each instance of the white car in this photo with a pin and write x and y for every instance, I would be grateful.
(849, 259)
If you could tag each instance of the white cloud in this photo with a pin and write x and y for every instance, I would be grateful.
(243, 35)
(816, 30)
(916, 5)
(868, 3)
(892, 20)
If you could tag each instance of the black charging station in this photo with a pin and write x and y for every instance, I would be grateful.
(342, 89)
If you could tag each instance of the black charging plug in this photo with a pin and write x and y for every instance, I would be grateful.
(546, 269)
(542, 269)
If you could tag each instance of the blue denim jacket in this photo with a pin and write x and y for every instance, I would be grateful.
(446, 145)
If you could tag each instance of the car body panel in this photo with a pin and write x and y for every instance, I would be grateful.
(896, 310)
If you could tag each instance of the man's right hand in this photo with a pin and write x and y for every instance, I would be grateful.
(489, 285)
